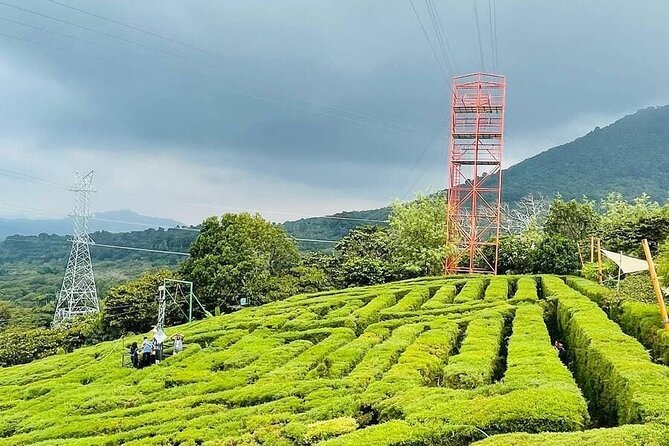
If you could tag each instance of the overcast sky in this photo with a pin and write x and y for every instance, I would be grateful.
(293, 107)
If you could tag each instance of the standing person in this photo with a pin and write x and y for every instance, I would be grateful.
(178, 343)
(146, 351)
(157, 350)
(134, 355)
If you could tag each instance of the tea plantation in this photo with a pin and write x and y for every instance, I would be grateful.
(434, 361)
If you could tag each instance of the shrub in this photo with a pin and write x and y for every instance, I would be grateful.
(412, 300)
(526, 290)
(472, 290)
(477, 360)
(630, 435)
(614, 370)
(441, 298)
(498, 289)
(370, 313)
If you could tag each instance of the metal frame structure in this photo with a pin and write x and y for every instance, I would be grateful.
(475, 173)
(78, 295)
(164, 292)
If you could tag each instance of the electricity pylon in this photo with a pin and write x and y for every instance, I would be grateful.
(78, 295)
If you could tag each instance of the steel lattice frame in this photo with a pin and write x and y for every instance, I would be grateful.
(78, 294)
(475, 172)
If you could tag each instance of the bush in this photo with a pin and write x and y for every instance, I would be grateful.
(412, 300)
(475, 365)
(370, 313)
(630, 435)
(441, 298)
(472, 290)
(498, 289)
(526, 290)
(614, 370)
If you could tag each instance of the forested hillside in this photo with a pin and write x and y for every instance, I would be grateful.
(630, 156)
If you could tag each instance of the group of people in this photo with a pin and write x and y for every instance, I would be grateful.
(152, 351)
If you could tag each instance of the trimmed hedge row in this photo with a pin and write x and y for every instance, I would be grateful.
(526, 290)
(638, 319)
(344, 359)
(411, 301)
(401, 433)
(614, 370)
(472, 290)
(382, 356)
(370, 313)
(298, 367)
(478, 358)
(441, 298)
(498, 289)
(531, 360)
(421, 362)
(629, 435)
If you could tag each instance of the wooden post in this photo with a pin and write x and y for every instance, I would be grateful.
(580, 255)
(592, 248)
(656, 284)
(599, 260)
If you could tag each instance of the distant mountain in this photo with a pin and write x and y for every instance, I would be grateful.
(332, 227)
(630, 156)
(111, 221)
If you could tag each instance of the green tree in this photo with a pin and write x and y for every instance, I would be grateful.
(418, 235)
(133, 306)
(626, 223)
(555, 255)
(574, 220)
(241, 256)
(364, 256)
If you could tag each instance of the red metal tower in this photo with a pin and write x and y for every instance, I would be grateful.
(475, 172)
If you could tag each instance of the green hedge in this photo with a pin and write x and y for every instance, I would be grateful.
(412, 300)
(400, 433)
(526, 290)
(344, 359)
(613, 369)
(472, 290)
(441, 298)
(498, 289)
(642, 321)
(630, 435)
(478, 358)
(370, 313)
(382, 356)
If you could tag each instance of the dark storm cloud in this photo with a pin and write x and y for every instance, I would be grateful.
(340, 94)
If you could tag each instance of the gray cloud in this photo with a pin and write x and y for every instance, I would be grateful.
(341, 98)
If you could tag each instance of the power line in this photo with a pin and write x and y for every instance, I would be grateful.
(96, 31)
(333, 111)
(493, 33)
(427, 37)
(31, 178)
(478, 33)
(440, 33)
(134, 28)
(130, 248)
(443, 33)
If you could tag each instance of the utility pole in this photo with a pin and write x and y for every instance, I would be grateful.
(78, 294)
(162, 306)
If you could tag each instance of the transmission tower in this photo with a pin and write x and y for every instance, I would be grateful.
(78, 295)
(475, 172)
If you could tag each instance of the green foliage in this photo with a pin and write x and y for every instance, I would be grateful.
(441, 298)
(625, 224)
(630, 435)
(417, 231)
(471, 291)
(364, 256)
(573, 220)
(497, 289)
(132, 306)
(477, 360)
(538, 253)
(293, 373)
(412, 300)
(241, 256)
(556, 255)
(615, 371)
